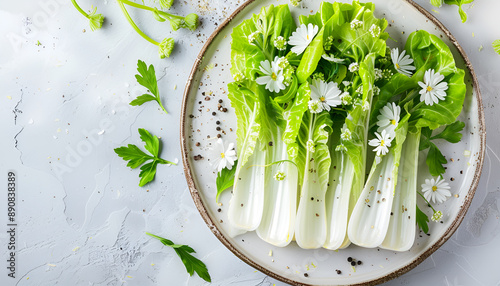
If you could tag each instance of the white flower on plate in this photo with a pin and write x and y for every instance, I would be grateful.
(302, 37)
(224, 157)
(375, 31)
(273, 75)
(340, 148)
(433, 89)
(315, 106)
(381, 143)
(402, 62)
(238, 76)
(332, 58)
(437, 216)
(355, 24)
(354, 67)
(328, 93)
(366, 106)
(388, 118)
(436, 190)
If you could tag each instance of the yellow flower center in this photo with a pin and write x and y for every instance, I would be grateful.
(322, 98)
(393, 122)
(434, 188)
(429, 88)
(382, 142)
(222, 155)
(307, 37)
(274, 76)
(398, 66)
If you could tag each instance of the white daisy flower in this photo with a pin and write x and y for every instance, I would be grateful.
(437, 190)
(375, 31)
(433, 89)
(388, 118)
(328, 93)
(302, 37)
(437, 216)
(273, 75)
(354, 67)
(279, 176)
(225, 157)
(402, 62)
(315, 106)
(355, 24)
(332, 58)
(382, 143)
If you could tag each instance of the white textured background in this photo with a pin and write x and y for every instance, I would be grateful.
(81, 216)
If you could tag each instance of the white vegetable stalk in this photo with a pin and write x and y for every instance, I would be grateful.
(247, 203)
(310, 228)
(337, 200)
(401, 232)
(370, 218)
(280, 199)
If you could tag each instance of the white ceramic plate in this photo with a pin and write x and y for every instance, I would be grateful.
(208, 83)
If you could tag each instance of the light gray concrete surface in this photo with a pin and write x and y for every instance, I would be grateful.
(81, 216)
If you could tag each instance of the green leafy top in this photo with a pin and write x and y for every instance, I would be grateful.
(459, 3)
(136, 157)
(147, 78)
(191, 263)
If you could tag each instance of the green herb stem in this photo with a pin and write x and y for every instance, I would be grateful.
(428, 203)
(79, 9)
(132, 23)
(144, 7)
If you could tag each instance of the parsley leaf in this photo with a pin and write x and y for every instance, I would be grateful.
(435, 161)
(191, 263)
(496, 46)
(147, 78)
(425, 140)
(225, 179)
(136, 157)
(451, 133)
(422, 220)
(459, 3)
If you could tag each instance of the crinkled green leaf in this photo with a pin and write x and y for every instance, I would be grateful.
(459, 3)
(294, 113)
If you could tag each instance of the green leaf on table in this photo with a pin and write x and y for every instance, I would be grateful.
(136, 157)
(147, 78)
(191, 263)
(435, 161)
(496, 46)
(422, 220)
(225, 179)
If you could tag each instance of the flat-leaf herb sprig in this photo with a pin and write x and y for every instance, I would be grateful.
(136, 157)
(147, 78)
(191, 263)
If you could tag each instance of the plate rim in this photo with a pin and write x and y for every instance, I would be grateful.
(396, 273)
